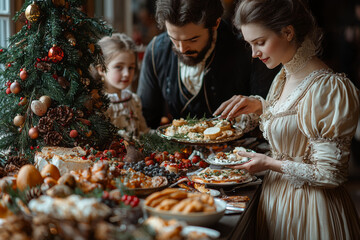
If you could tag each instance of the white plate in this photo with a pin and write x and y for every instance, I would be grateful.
(198, 219)
(209, 232)
(214, 161)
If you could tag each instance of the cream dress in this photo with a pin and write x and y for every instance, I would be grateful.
(311, 133)
(126, 114)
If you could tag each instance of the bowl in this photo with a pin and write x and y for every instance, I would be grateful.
(198, 218)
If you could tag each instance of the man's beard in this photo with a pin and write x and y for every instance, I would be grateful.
(192, 61)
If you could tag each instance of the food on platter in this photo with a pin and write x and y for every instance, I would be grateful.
(193, 208)
(220, 176)
(73, 207)
(176, 200)
(200, 130)
(165, 229)
(132, 179)
(65, 159)
(236, 201)
(229, 158)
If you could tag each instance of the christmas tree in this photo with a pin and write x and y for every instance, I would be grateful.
(48, 97)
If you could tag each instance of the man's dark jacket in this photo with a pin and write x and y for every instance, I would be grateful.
(231, 71)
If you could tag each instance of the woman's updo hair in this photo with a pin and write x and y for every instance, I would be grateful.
(276, 14)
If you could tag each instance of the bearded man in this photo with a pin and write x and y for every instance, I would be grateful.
(196, 64)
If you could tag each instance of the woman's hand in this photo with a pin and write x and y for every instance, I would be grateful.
(238, 105)
(258, 163)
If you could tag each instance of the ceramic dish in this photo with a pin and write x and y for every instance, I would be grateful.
(213, 234)
(198, 219)
(228, 184)
(212, 159)
(144, 192)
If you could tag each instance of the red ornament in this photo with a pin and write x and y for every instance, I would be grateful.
(8, 90)
(23, 75)
(56, 54)
(73, 133)
(1, 50)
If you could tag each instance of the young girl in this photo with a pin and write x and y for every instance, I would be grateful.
(125, 110)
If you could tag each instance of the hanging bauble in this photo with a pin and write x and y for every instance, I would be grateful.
(33, 133)
(8, 90)
(74, 133)
(71, 39)
(15, 87)
(32, 12)
(46, 100)
(56, 54)
(19, 120)
(23, 74)
(58, 3)
(23, 101)
(39, 108)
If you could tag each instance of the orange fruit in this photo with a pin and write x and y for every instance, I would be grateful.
(28, 176)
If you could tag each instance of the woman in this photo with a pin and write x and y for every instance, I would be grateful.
(309, 118)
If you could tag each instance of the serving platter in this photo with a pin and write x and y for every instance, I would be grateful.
(238, 133)
(197, 218)
(215, 160)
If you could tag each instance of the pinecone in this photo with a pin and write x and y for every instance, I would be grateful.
(53, 138)
(2, 172)
(44, 66)
(62, 114)
(45, 124)
(33, 193)
(11, 169)
(17, 161)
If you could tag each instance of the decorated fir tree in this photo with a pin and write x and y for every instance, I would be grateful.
(48, 97)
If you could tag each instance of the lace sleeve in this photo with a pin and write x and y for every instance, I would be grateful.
(327, 166)
(247, 122)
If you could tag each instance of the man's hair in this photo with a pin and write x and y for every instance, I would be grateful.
(182, 12)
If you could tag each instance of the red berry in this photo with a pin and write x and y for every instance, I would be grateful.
(1, 50)
(203, 164)
(74, 133)
(124, 198)
(195, 159)
(149, 162)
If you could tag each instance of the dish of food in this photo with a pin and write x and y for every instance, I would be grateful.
(222, 177)
(200, 131)
(229, 158)
(192, 218)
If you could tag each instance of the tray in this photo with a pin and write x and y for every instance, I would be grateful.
(160, 131)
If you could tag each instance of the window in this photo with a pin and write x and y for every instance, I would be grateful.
(6, 25)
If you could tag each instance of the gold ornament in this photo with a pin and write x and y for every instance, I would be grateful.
(32, 12)
(46, 100)
(15, 87)
(19, 120)
(58, 3)
(71, 39)
(39, 108)
(33, 133)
